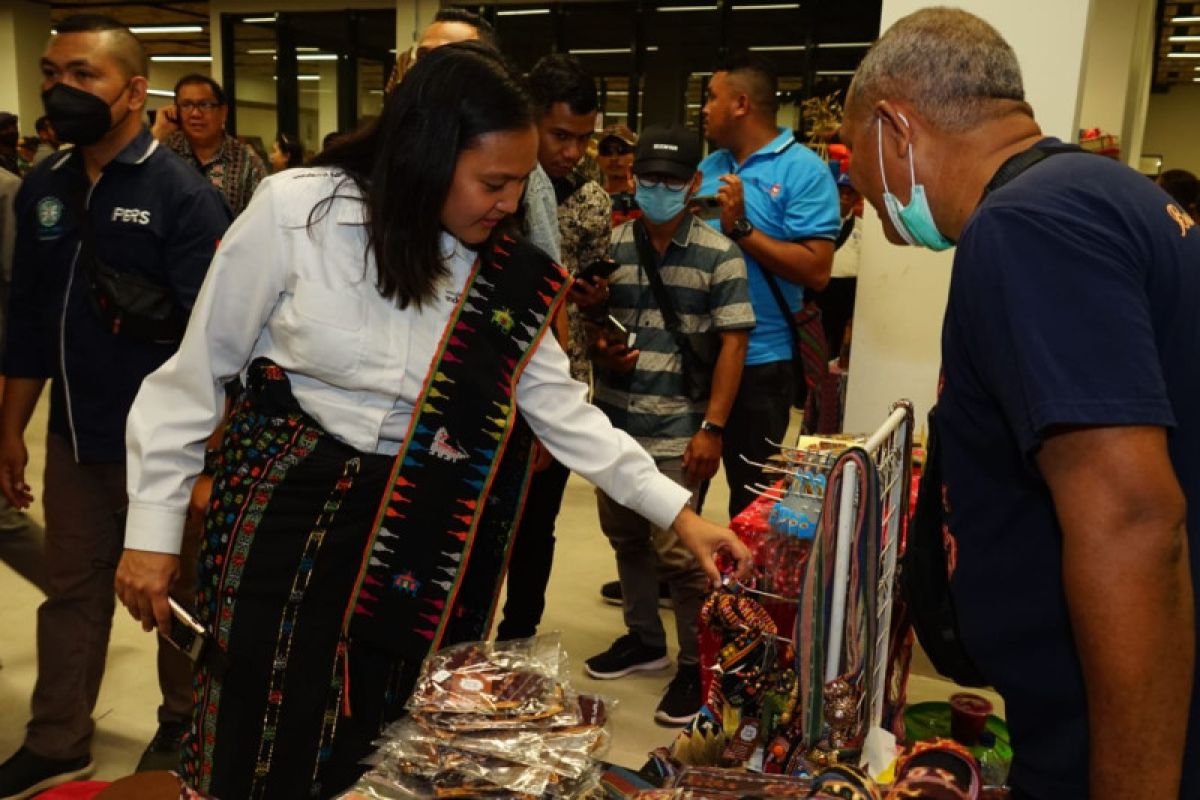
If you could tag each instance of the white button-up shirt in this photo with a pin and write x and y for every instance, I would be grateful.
(305, 297)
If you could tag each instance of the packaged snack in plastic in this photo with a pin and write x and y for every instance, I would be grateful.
(510, 679)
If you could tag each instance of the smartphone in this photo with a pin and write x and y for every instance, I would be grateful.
(597, 269)
(619, 334)
(187, 635)
(706, 207)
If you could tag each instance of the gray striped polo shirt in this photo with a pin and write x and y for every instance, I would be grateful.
(705, 275)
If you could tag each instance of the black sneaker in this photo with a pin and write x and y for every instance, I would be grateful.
(682, 700)
(164, 751)
(611, 593)
(626, 655)
(26, 774)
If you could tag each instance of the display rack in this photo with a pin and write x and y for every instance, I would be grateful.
(888, 454)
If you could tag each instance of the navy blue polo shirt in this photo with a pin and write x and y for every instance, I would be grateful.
(791, 196)
(151, 214)
(1074, 300)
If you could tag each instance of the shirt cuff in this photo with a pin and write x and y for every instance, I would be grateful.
(661, 500)
(154, 528)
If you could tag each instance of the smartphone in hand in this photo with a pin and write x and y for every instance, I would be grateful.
(597, 269)
(187, 635)
(618, 334)
(706, 207)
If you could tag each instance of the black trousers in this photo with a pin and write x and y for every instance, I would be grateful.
(532, 554)
(760, 412)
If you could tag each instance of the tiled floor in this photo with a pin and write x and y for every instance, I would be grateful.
(125, 711)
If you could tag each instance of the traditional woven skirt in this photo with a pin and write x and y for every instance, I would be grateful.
(296, 704)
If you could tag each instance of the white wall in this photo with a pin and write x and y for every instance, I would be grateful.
(24, 30)
(902, 290)
(1118, 60)
(1173, 127)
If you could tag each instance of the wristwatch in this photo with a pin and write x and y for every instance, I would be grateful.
(741, 227)
(712, 427)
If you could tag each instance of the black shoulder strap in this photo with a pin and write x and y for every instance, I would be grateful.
(777, 293)
(649, 263)
(1025, 159)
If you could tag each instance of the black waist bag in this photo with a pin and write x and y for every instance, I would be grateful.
(130, 305)
(127, 303)
(925, 579)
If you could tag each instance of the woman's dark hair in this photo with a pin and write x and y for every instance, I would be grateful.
(291, 147)
(404, 162)
(1183, 186)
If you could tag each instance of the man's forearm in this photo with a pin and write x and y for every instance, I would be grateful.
(727, 376)
(20, 398)
(1132, 615)
(807, 263)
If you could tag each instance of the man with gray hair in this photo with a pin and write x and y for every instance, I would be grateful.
(1067, 416)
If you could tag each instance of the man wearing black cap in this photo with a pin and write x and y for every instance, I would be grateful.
(667, 372)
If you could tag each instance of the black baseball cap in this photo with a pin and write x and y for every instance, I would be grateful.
(672, 150)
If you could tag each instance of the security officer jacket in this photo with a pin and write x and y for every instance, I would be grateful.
(152, 215)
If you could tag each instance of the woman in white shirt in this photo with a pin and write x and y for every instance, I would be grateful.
(389, 329)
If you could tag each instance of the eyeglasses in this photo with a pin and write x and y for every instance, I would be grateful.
(205, 106)
(614, 150)
(652, 181)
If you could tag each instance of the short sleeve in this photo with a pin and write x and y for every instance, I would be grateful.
(729, 294)
(811, 210)
(1065, 333)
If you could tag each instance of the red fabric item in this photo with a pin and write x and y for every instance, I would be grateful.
(75, 790)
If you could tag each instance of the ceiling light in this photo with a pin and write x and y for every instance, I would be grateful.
(160, 93)
(166, 29)
(195, 59)
(686, 8)
(522, 12)
(300, 77)
(268, 20)
(1185, 20)
(598, 51)
(612, 92)
(317, 57)
(1183, 55)
(778, 48)
(767, 7)
(1184, 39)
(270, 51)
(831, 45)
(835, 72)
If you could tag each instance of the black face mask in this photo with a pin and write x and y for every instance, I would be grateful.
(77, 116)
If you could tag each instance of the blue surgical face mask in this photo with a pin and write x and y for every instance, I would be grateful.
(660, 204)
(913, 222)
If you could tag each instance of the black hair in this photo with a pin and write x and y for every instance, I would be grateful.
(291, 147)
(128, 50)
(487, 34)
(758, 79)
(196, 77)
(560, 78)
(404, 162)
(1183, 186)
(41, 124)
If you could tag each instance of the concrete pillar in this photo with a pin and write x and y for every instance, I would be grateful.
(902, 291)
(412, 17)
(24, 30)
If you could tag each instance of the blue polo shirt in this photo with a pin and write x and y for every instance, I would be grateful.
(1074, 301)
(791, 196)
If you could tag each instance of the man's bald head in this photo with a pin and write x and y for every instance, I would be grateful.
(118, 41)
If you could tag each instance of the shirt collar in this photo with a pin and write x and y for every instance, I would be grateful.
(780, 143)
(136, 152)
(683, 234)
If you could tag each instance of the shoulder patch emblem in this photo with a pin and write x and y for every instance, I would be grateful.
(49, 211)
